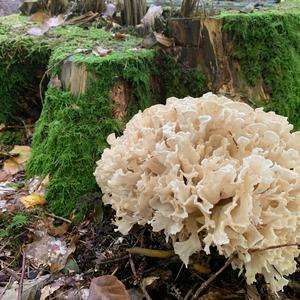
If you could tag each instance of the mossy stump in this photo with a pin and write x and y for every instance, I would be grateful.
(85, 98)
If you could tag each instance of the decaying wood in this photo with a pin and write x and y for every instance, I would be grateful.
(74, 77)
(134, 11)
(202, 44)
(120, 97)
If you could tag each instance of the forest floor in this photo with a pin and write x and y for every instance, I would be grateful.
(43, 256)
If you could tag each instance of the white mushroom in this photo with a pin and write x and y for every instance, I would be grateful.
(213, 167)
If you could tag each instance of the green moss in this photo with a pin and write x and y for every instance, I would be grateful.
(71, 132)
(24, 58)
(180, 81)
(12, 138)
(267, 45)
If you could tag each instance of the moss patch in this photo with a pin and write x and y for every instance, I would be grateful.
(267, 45)
(71, 132)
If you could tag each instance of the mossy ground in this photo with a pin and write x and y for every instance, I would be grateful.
(267, 46)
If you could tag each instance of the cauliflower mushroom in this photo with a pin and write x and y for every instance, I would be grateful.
(210, 172)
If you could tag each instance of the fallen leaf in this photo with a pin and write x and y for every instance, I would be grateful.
(22, 152)
(107, 287)
(149, 280)
(11, 167)
(99, 51)
(201, 268)
(4, 176)
(50, 289)
(48, 251)
(59, 230)
(33, 200)
(55, 21)
(73, 244)
(36, 31)
(163, 40)
(119, 36)
(39, 17)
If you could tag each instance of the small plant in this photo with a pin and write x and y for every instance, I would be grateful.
(14, 227)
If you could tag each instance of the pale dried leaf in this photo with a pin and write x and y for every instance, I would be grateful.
(107, 287)
(55, 21)
(99, 51)
(48, 251)
(163, 40)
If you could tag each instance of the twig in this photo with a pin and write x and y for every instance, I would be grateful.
(205, 284)
(11, 272)
(151, 252)
(46, 74)
(20, 290)
(273, 247)
(109, 261)
(58, 217)
(5, 288)
(136, 278)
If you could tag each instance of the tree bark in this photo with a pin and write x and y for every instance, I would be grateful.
(134, 11)
(188, 7)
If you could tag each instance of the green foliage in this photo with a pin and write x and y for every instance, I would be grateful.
(14, 227)
(267, 45)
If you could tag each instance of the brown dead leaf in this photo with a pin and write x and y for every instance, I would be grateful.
(11, 167)
(107, 287)
(119, 36)
(4, 176)
(50, 289)
(73, 244)
(99, 51)
(59, 230)
(39, 17)
(33, 200)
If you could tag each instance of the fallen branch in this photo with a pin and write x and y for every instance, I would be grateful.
(58, 217)
(151, 252)
(273, 247)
